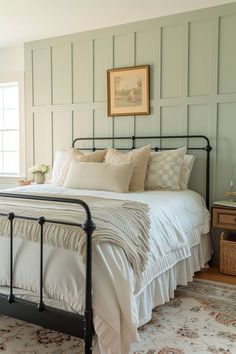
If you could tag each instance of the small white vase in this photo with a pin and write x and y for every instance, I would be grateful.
(39, 178)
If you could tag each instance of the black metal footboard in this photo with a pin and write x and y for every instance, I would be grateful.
(80, 326)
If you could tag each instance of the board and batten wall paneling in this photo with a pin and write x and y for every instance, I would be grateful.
(147, 50)
(41, 77)
(199, 58)
(102, 56)
(227, 54)
(82, 121)
(171, 60)
(61, 74)
(226, 154)
(173, 122)
(123, 56)
(42, 137)
(61, 130)
(192, 60)
(198, 119)
(81, 71)
(102, 128)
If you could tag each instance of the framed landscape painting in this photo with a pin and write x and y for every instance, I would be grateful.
(128, 91)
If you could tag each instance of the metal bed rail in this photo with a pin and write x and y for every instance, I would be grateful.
(80, 326)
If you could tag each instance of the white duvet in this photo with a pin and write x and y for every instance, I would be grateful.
(178, 219)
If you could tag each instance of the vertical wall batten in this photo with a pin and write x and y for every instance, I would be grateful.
(51, 81)
(52, 135)
(113, 66)
(72, 73)
(214, 93)
(33, 139)
(160, 60)
(32, 75)
(73, 128)
(134, 60)
(187, 69)
(93, 71)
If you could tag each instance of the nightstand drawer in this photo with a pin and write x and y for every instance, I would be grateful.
(224, 218)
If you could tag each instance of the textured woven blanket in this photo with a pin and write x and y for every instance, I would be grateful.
(121, 222)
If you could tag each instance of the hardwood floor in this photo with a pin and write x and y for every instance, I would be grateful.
(213, 273)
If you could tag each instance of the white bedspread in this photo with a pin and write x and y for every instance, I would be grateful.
(178, 219)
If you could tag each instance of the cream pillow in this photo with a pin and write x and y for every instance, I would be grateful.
(186, 171)
(164, 169)
(72, 154)
(140, 159)
(99, 176)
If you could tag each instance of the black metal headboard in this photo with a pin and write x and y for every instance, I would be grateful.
(133, 139)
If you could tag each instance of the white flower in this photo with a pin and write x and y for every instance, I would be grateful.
(44, 168)
(39, 169)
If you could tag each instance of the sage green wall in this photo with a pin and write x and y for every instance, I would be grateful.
(193, 86)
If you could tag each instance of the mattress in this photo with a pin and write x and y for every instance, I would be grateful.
(178, 222)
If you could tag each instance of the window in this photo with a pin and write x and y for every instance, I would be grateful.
(9, 129)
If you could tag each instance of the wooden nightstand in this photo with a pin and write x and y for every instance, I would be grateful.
(224, 217)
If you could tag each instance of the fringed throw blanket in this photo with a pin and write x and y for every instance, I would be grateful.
(120, 222)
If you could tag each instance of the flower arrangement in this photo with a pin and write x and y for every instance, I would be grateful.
(43, 168)
(39, 172)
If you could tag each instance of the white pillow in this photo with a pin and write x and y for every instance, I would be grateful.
(186, 171)
(164, 170)
(57, 165)
(99, 176)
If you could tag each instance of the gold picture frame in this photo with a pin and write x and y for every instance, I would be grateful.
(128, 91)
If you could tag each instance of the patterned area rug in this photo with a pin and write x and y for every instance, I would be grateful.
(200, 319)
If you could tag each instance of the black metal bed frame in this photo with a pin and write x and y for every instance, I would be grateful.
(77, 325)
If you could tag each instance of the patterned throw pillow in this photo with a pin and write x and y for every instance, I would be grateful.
(164, 170)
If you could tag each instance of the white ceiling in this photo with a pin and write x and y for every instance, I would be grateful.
(27, 20)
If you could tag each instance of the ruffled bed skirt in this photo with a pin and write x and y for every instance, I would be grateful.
(162, 288)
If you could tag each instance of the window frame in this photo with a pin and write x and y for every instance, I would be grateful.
(2, 130)
(9, 78)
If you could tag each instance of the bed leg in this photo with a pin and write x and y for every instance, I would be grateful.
(11, 217)
(88, 331)
(88, 227)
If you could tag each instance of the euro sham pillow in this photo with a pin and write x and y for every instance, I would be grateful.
(96, 156)
(72, 154)
(164, 170)
(139, 157)
(57, 165)
(186, 171)
(99, 176)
